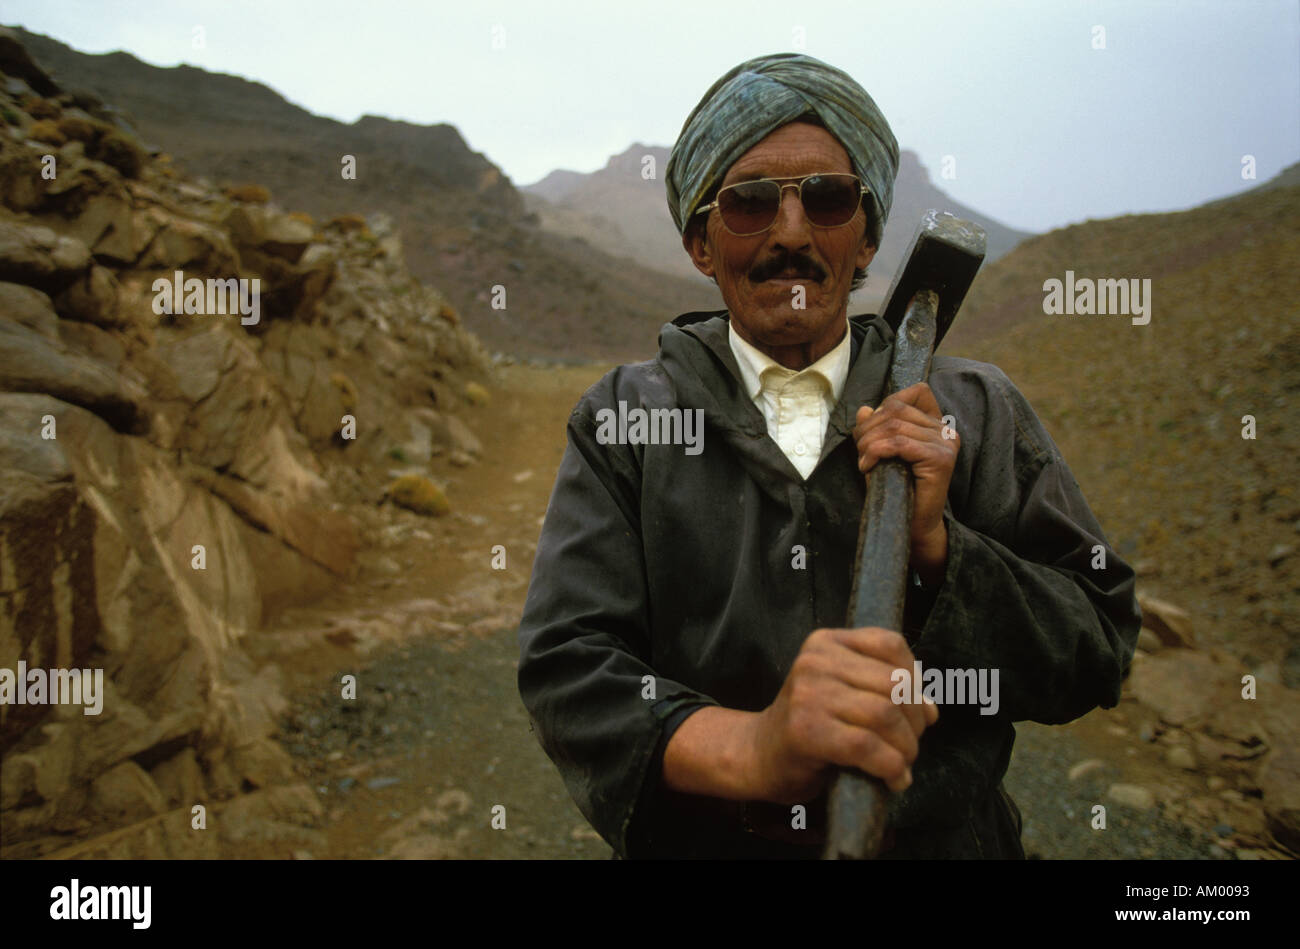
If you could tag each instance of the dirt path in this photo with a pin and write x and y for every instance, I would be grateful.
(1058, 810)
(436, 742)
(437, 739)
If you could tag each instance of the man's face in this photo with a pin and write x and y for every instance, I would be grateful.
(821, 260)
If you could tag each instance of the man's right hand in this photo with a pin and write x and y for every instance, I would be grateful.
(835, 710)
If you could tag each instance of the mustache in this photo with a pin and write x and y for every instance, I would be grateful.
(800, 265)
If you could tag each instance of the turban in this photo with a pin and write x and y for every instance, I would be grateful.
(759, 96)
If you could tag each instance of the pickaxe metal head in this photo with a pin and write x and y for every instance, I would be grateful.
(944, 256)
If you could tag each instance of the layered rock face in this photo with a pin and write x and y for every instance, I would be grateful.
(195, 386)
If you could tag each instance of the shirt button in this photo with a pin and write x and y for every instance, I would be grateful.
(801, 449)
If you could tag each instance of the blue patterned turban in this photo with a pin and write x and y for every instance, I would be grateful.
(761, 95)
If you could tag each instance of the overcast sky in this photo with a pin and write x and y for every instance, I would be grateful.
(1044, 127)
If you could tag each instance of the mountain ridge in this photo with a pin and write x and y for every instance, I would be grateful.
(572, 203)
(464, 225)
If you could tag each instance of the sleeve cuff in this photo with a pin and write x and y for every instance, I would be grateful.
(938, 606)
(671, 712)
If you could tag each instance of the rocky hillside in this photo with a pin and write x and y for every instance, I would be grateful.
(1151, 419)
(175, 476)
(620, 209)
(464, 226)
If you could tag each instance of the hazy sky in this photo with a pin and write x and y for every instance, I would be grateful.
(1044, 128)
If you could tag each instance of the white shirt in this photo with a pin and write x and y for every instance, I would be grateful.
(796, 405)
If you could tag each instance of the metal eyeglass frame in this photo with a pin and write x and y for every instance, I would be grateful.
(797, 183)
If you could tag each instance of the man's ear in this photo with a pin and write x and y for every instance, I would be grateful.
(865, 254)
(695, 240)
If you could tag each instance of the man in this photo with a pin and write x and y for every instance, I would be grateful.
(682, 656)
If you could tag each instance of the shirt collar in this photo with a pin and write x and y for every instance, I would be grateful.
(833, 368)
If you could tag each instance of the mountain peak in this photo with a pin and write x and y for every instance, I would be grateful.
(909, 163)
(632, 158)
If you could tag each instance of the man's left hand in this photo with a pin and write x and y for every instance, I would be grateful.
(908, 425)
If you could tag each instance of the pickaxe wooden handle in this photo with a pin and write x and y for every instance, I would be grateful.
(857, 800)
(945, 255)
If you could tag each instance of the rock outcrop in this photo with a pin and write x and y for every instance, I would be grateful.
(1236, 727)
(195, 390)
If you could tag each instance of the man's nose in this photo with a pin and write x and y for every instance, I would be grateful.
(791, 228)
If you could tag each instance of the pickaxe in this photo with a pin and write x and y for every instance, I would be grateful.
(920, 306)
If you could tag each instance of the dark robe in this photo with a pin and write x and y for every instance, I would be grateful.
(686, 568)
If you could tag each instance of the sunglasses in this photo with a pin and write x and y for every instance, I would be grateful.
(751, 207)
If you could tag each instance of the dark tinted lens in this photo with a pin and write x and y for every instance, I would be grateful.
(830, 200)
(749, 207)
